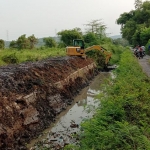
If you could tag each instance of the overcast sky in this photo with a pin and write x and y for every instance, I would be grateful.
(45, 18)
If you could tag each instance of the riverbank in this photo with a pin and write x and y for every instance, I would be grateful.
(65, 129)
(33, 94)
(122, 122)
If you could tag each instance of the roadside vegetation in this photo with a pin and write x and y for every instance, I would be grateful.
(135, 25)
(122, 119)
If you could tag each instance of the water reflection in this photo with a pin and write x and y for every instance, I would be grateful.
(69, 121)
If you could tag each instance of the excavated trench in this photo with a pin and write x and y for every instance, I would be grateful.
(67, 128)
(33, 94)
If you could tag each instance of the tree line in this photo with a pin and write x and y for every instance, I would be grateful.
(24, 42)
(135, 25)
(95, 33)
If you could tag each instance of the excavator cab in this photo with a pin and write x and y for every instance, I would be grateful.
(77, 49)
(78, 43)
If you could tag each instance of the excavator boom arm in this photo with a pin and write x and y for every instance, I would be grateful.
(99, 48)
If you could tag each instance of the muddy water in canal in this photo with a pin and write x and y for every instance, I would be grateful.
(68, 122)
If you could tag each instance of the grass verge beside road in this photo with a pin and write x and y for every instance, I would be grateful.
(122, 121)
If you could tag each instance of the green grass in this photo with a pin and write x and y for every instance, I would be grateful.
(29, 55)
(8, 56)
(122, 121)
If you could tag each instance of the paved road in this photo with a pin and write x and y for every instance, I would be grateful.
(145, 64)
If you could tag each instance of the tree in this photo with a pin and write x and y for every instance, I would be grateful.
(145, 35)
(134, 23)
(49, 42)
(32, 41)
(138, 4)
(78, 30)
(2, 44)
(97, 27)
(146, 13)
(23, 42)
(13, 44)
(90, 39)
(67, 36)
(129, 30)
(122, 20)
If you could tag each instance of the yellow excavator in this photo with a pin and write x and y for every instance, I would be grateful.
(78, 50)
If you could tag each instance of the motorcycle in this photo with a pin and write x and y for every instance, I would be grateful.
(139, 54)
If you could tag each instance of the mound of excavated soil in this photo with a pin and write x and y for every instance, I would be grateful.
(32, 94)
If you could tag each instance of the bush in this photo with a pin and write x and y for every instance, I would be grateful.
(10, 59)
(98, 57)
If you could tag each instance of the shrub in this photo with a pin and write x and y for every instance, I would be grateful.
(10, 59)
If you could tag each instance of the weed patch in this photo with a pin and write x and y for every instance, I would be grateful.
(122, 121)
(10, 59)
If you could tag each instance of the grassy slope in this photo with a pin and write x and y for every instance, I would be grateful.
(29, 55)
(122, 121)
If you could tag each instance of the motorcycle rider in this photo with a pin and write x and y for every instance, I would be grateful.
(143, 47)
(136, 51)
(140, 52)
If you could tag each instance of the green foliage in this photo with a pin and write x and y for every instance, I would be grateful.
(90, 39)
(124, 18)
(23, 42)
(49, 42)
(71, 147)
(33, 40)
(28, 55)
(99, 58)
(122, 121)
(145, 35)
(96, 27)
(128, 30)
(2, 44)
(67, 36)
(138, 4)
(95, 33)
(116, 51)
(10, 59)
(135, 24)
(13, 44)
(121, 41)
(147, 45)
(61, 45)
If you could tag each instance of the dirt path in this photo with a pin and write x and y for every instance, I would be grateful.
(145, 64)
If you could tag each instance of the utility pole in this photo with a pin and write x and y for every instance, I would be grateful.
(55, 32)
(7, 35)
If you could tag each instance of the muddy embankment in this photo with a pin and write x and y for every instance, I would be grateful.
(32, 94)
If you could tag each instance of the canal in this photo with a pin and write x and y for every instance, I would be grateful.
(67, 123)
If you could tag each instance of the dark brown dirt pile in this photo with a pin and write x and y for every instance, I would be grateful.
(29, 99)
